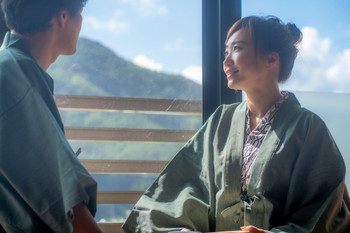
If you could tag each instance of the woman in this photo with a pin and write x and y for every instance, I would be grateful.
(264, 165)
(43, 186)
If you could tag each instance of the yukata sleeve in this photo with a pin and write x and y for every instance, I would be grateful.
(182, 196)
(317, 198)
(40, 178)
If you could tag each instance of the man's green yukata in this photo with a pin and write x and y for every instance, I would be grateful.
(40, 177)
(296, 184)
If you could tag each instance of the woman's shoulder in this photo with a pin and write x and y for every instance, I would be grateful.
(224, 113)
(231, 108)
(299, 116)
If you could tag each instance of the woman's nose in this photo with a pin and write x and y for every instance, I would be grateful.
(228, 60)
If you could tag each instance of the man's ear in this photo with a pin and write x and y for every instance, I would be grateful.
(62, 17)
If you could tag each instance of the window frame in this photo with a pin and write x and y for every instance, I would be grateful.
(217, 17)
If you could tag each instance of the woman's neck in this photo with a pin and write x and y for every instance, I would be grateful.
(259, 102)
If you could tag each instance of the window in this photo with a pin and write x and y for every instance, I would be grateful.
(148, 53)
(153, 50)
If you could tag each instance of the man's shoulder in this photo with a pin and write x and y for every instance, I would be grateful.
(14, 83)
(14, 57)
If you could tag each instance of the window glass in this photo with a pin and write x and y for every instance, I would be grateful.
(137, 48)
(320, 78)
(132, 48)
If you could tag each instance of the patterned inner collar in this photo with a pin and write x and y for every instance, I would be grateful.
(268, 117)
(253, 139)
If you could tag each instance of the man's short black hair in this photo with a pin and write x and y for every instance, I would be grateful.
(30, 16)
(3, 27)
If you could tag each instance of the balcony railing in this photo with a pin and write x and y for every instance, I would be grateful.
(133, 105)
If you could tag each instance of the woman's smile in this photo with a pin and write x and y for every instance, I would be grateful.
(230, 72)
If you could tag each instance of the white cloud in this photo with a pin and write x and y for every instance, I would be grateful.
(317, 68)
(112, 25)
(145, 62)
(194, 73)
(148, 7)
(312, 46)
(339, 73)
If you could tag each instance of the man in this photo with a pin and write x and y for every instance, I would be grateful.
(3, 28)
(43, 186)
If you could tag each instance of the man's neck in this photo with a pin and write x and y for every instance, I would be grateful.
(41, 46)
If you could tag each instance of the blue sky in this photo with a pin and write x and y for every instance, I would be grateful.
(165, 35)
(329, 17)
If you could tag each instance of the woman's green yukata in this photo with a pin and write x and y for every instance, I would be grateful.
(40, 177)
(296, 184)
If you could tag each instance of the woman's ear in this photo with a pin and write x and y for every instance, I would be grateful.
(273, 58)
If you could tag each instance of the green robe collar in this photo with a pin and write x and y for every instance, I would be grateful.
(11, 40)
(39, 78)
(233, 161)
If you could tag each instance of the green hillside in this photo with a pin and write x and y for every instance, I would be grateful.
(98, 71)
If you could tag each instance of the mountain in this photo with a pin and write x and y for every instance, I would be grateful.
(98, 71)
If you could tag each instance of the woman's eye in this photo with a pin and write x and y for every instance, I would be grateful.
(236, 48)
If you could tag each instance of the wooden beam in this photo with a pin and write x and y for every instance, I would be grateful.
(121, 104)
(124, 166)
(126, 134)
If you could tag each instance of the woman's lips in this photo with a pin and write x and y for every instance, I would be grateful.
(229, 73)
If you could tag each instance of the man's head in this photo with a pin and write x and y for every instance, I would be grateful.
(31, 16)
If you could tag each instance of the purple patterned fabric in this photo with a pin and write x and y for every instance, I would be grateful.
(253, 139)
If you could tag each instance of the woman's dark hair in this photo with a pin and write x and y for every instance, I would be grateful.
(270, 34)
(30, 16)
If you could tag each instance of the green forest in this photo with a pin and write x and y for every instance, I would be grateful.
(95, 70)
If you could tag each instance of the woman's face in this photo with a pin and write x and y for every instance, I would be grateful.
(242, 64)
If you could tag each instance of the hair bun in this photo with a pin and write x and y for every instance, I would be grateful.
(294, 32)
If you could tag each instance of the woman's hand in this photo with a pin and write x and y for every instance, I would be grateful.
(252, 229)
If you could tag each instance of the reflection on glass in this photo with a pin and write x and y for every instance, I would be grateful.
(334, 109)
